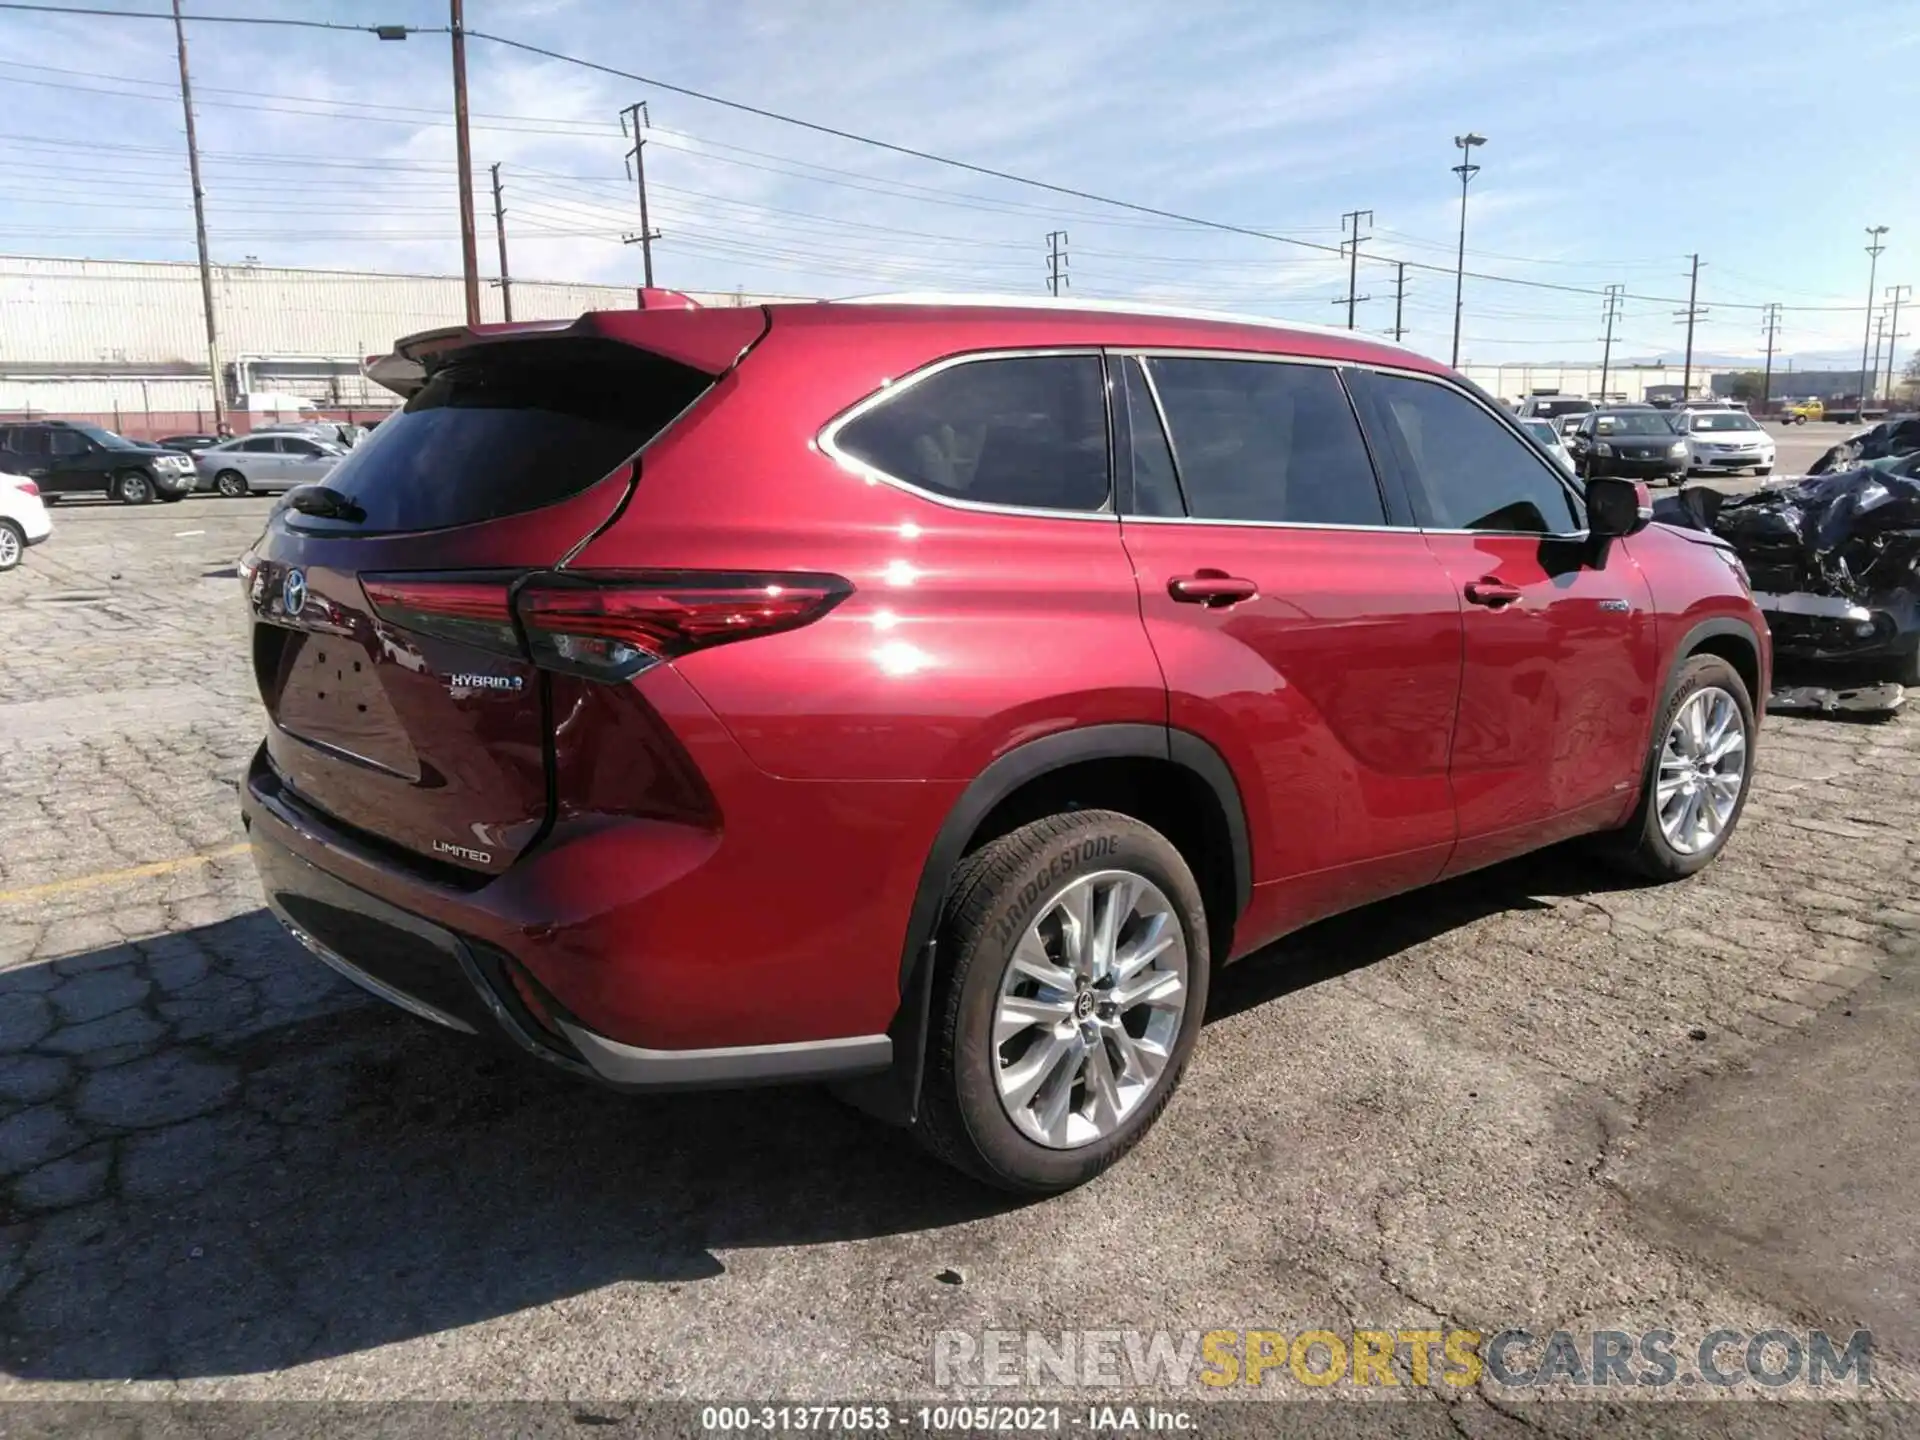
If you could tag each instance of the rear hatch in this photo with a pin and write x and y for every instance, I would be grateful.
(406, 699)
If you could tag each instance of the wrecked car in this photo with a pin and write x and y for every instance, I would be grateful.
(1834, 561)
(1892, 438)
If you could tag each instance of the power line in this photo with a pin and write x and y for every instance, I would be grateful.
(384, 32)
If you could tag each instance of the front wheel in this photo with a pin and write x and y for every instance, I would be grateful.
(1072, 981)
(132, 487)
(1697, 777)
(230, 483)
(13, 544)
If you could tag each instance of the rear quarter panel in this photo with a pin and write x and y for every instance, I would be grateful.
(968, 632)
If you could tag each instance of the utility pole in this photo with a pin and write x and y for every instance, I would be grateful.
(1766, 380)
(500, 230)
(1351, 220)
(1879, 339)
(1895, 293)
(633, 121)
(1692, 313)
(1874, 247)
(1466, 170)
(463, 149)
(1399, 297)
(1056, 261)
(200, 230)
(1612, 313)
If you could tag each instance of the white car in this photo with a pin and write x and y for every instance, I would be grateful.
(1723, 441)
(23, 518)
(1548, 434)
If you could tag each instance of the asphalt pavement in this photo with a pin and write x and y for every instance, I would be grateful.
(1540, 1097)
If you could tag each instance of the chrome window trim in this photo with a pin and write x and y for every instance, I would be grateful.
(828, 437)
(1511, 425)
(1302, 525)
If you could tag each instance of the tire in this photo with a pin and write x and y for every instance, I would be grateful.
(230, 483)
(1007, 894)
(13, 545)
(132, 487)
(1643, 845)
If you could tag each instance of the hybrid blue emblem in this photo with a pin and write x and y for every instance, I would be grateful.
(293, 592)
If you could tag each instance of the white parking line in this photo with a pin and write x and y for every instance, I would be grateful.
(183, 534)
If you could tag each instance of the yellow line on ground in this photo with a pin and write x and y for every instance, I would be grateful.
(111, 877)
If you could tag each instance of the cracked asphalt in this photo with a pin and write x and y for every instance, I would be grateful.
(1536, 1097)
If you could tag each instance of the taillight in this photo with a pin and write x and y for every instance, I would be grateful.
(611, 626)
(470, 609)
(605, 625)
(27, 487)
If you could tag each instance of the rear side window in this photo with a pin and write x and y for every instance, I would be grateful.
(504, 429)
(1468, 471)
(262, 446)
(1025, 430)
(1261, 440)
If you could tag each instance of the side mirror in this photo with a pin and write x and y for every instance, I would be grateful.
(1617, 507)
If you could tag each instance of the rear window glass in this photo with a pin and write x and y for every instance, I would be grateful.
(503, 429)
(1026, 430)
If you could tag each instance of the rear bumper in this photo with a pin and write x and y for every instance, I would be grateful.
(467, 985)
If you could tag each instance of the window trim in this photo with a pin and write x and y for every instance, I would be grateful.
(1340, 369)
(827, 440)
(1576, 501)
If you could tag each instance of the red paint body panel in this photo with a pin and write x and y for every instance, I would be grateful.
(1557, 690)
(1331, 694)
(725, 849)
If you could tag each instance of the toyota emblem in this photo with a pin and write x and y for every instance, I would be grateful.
(293, 592)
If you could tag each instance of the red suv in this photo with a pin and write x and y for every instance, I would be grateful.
(926, 697)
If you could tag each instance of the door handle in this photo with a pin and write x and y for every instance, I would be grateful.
(1214, 589)
(1491, 591)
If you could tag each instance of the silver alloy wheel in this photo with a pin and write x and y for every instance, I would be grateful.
(1089, 1009)
(1703, 765)
(231, 483)
(134, 488)
(9, 547)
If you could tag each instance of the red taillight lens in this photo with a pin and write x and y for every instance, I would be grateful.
(471, 609)
(612, 626)
(27, 487)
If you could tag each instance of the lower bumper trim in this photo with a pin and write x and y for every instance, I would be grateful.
(339, 963)
(731, 1065)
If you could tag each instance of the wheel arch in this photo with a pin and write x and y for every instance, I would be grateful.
(1094, 764)
(1735, 642)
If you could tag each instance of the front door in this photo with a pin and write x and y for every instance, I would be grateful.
(1306, 635)
(1560, 659)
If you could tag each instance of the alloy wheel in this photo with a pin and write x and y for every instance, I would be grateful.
(1703, 766)
(1089, 1009)
(9, 547)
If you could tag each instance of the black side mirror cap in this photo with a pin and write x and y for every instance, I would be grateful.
(1617, 507)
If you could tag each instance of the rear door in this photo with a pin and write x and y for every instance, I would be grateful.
(1303, 625)
(401, 700)
(260, 460)
(1561, 659)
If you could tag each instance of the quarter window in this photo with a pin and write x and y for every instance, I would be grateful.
(1467, 471)
(1026, 430)
(1260, 440)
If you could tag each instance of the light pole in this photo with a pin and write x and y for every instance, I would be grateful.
(1466, 170)
(1874, 247)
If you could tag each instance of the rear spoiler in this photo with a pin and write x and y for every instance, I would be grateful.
(710, 340)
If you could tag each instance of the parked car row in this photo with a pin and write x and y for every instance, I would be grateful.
(1642, 441)
(65, 458)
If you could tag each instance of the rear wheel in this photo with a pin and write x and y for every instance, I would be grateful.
(1072, 984)
(1697, 776)
(13, 544)
(230, 483)
(132, 487)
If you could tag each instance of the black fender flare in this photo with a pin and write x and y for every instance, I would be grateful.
(1712, 630)
(896, 1096)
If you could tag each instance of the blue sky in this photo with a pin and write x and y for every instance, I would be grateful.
(1765, 135)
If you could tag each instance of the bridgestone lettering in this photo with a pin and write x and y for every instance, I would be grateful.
(1062, 864)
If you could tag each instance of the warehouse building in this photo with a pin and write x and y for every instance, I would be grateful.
(123, 343)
